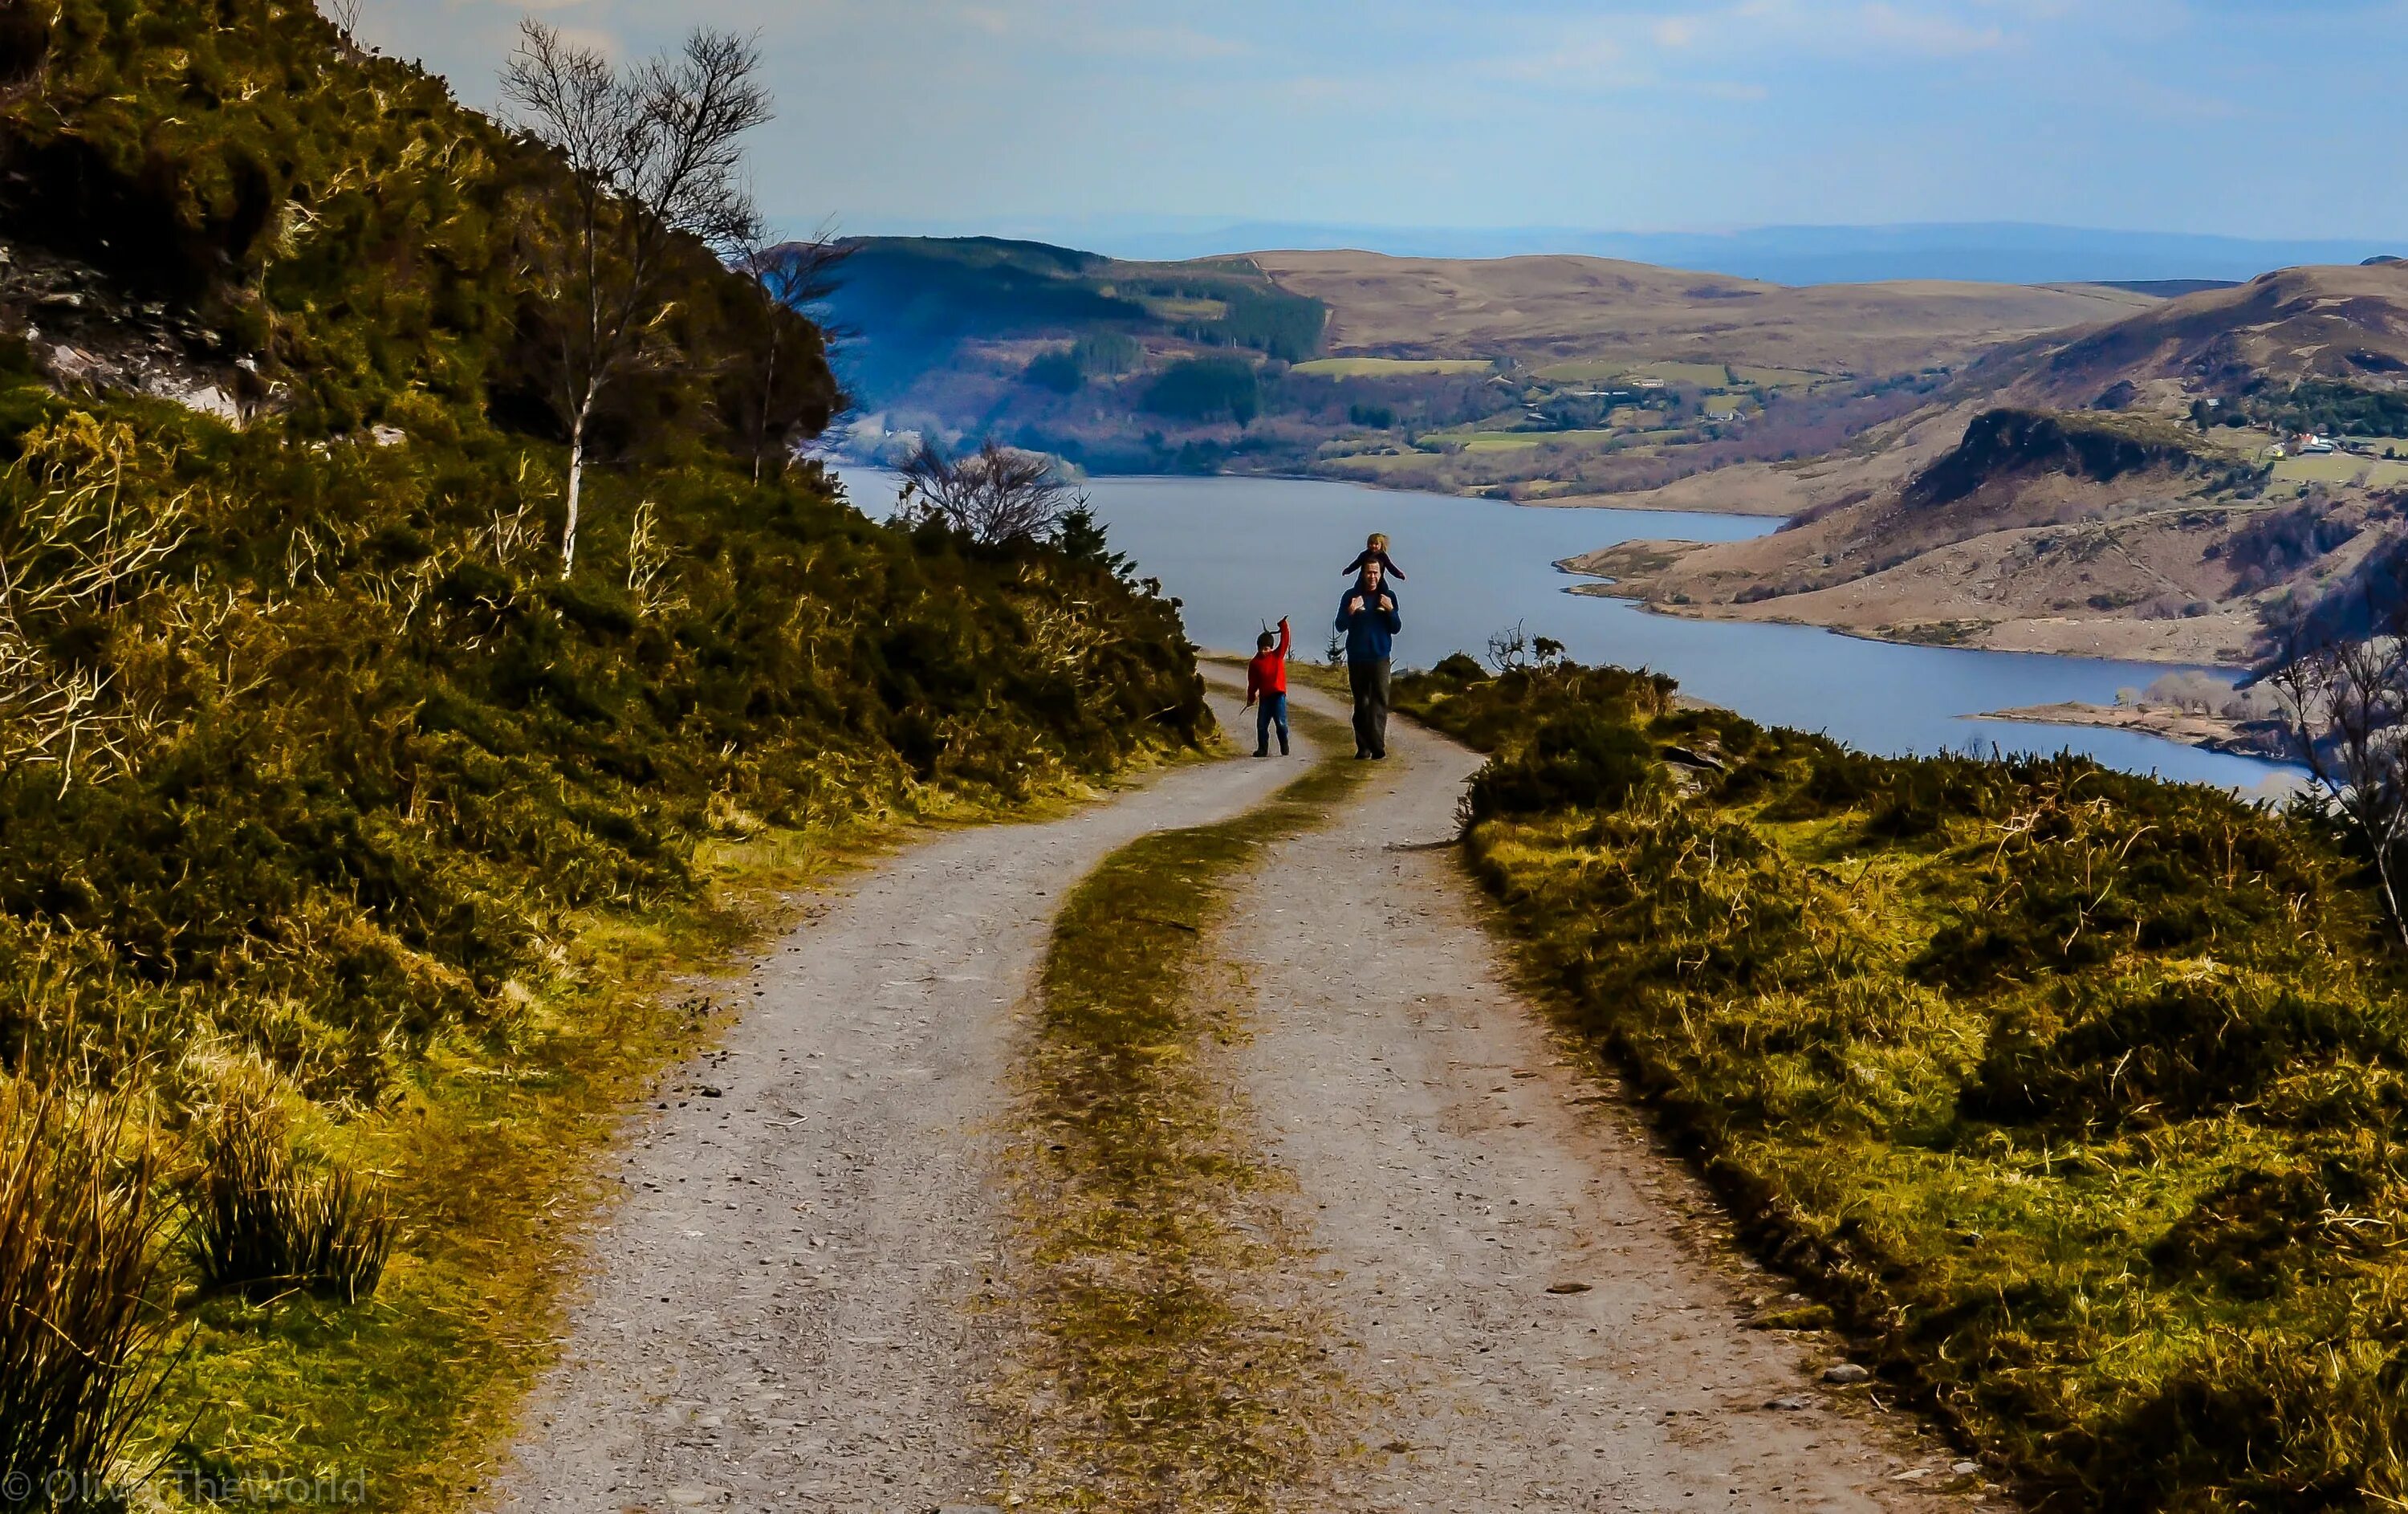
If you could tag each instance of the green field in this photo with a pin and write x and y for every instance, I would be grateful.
(1178, 311)
(1756, 378)
(1391, 368)
(1582, 372)
(1484, 441)
(2340, 468)
(1703, 375)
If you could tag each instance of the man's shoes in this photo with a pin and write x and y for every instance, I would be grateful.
(1379, 757)
(1262, 751)
(1361, 756)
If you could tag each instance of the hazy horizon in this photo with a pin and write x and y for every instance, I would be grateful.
(2192, 117)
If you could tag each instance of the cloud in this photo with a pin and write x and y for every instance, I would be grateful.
(1181, 44)
(1930, 34)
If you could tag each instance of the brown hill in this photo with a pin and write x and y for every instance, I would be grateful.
(1576, 308)
(2037, 532)
(2075, 506)
(2346, 324)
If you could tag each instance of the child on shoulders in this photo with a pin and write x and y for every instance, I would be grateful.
(1375, 550)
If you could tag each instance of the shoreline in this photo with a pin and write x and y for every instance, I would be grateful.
(1602, 587)
(2210, 733)
(1582, 501)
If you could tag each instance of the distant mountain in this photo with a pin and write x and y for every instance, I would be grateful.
(1988, 253)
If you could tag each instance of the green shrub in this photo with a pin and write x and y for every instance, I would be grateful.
(1597, 763)
(2155, 1050)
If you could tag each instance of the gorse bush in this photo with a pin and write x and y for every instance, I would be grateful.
(376, 758)
(2080, 1096)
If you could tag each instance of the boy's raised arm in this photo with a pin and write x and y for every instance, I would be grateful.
(1284, 638)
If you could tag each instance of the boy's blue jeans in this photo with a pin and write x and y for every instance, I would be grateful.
(1273, 710)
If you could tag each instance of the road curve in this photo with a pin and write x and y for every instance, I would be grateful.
(780, 1312)
(1458, 1170)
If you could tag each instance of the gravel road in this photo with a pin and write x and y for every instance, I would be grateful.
(1459, 1169)
(774, 1316)
(781, 1311)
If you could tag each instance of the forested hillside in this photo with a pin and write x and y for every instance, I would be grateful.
(330, 808)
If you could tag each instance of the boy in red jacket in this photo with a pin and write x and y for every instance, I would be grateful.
(1267, 681)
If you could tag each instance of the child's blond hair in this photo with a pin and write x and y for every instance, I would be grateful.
(1377, 541)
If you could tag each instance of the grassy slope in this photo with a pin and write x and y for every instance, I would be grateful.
(2076, 1094)
(368, 796)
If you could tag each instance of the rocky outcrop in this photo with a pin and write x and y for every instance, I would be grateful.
(81, 328)
(2010, 443)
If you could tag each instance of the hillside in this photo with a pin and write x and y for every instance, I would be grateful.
(2345, 324)
(1536, 378)
(346, 843)
(2135, 490)
(919, 303)
(1538, 310)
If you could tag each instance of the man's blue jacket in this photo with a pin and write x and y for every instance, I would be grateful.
(1371, 633)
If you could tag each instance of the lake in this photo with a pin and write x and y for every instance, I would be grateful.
(1241, 552)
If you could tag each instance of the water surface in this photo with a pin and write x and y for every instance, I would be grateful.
(1243, 552)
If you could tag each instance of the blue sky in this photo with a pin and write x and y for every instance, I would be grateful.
(2257, 117)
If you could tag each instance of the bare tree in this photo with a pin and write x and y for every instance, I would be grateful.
(996, 495)
(2346, 699)
(655, 162)
(790, 276)
(1508, 650)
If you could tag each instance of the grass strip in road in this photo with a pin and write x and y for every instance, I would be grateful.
(1164, 1365)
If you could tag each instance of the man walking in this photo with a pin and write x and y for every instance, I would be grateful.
(1368, 617)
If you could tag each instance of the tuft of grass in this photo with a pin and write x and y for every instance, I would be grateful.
(2077, 1096)
(82, 1333)
(1163, 1364)
(264, 1225)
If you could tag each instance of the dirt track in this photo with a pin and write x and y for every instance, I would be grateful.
(1457, 1169)
(781, 1313)
(774, 1319)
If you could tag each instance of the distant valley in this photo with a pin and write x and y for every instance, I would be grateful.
(1531, 379)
